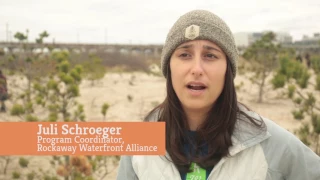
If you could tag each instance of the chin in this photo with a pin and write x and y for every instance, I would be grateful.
(196, 105)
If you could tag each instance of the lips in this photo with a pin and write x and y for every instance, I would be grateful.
(196, 86)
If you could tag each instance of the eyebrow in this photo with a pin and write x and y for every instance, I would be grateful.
(211, 48)
(205, 46)
(185, 46)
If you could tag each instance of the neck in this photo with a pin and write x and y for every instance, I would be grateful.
(195, 118)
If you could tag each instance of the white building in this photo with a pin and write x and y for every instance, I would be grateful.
(283, 37)
(241, 39)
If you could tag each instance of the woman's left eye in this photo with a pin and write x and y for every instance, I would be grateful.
(211, 56)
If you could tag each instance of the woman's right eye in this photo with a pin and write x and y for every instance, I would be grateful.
(184, 55)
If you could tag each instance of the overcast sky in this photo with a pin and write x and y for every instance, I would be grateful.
(148, 21)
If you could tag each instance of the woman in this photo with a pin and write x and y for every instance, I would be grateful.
(209, 134)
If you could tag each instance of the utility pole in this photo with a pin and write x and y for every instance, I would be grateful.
(105, 35)
(78, 37)
(10, 36)
(7, 32)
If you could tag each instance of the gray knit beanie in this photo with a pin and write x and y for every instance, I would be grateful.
(200, 25)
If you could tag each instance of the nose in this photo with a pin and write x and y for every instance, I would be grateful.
(197, 69)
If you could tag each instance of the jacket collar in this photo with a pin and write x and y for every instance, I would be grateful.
(247, 134)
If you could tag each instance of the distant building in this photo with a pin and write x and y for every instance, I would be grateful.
(241, 39)
(283, 38)
(310, 41)
(244, 39)
(253, 37)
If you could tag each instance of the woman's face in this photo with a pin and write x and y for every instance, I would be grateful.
(198, 72)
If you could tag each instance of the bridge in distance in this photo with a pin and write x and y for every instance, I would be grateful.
(150, 49)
